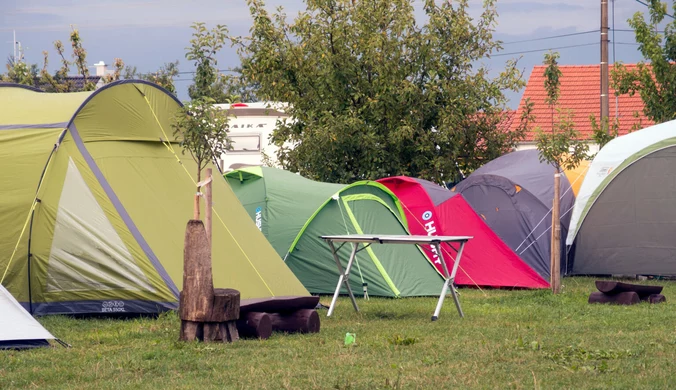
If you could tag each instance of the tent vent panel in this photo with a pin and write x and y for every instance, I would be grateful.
(87, 253)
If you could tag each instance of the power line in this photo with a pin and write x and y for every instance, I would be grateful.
(648, 5)
(218, 70)
(551, 37)
(545, 49)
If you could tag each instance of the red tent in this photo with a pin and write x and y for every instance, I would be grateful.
(486, 259)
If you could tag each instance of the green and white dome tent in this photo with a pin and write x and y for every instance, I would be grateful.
(293, 211)
(624, 218)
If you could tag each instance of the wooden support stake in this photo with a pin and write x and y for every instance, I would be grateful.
(555, 271)
(208, 204)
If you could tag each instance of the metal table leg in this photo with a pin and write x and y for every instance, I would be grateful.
(343, 278)
(450, 279)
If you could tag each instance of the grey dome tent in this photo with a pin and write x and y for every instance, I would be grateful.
(624, 220)
(514, 195)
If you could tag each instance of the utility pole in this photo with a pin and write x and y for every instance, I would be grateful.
(604, 63)
(14, 46)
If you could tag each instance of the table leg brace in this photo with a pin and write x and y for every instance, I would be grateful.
(344, 277)
(450, 279)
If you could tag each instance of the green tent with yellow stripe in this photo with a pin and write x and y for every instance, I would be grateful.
(293, 212)
(95, 194)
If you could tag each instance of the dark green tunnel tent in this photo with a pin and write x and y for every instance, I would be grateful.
(293, 212)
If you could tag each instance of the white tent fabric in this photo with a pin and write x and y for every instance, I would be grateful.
(611, 156)
(16, 325)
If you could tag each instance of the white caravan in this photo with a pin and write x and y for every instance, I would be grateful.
(250, 126)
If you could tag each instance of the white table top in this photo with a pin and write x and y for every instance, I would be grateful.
(395, 239)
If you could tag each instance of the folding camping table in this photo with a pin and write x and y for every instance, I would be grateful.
(366, 240)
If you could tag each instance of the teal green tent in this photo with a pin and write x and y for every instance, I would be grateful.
(292, 212)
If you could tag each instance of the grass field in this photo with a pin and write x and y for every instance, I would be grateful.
(508, 340)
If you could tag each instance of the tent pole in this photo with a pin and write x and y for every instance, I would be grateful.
(30, 228)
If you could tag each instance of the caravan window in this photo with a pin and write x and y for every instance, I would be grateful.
(245, 143)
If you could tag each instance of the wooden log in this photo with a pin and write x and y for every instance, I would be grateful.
(225, 305)
(300, 321)
(623, 298)
(612, 287)
(197, 297)
(283, 304)
(656, 298)
(255, 325)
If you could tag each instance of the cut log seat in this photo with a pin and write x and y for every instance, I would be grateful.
(610, 287)
(622, 298)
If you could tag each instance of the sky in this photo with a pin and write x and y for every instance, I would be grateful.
(147, 34)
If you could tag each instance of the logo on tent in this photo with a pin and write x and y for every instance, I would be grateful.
(604, 171)
(112, 306)
(427, 215)
(259, 218)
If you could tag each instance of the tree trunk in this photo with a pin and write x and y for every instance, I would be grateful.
(196, 208)
(555, 270)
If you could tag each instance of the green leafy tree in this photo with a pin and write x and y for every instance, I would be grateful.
(202, 131)
(373, 93)
(164, 77)
(237, 88)
(605, 131)
(59, 82)
(552, 82)
(18, 71)
(561, 148)
(655, 80)
(204, 46)
(118, 66)
(80, 59)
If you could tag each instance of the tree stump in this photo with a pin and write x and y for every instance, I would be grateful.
(206, 313)
(255, 325)
(299, 321)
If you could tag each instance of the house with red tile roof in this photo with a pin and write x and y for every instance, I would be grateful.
(580, 94)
